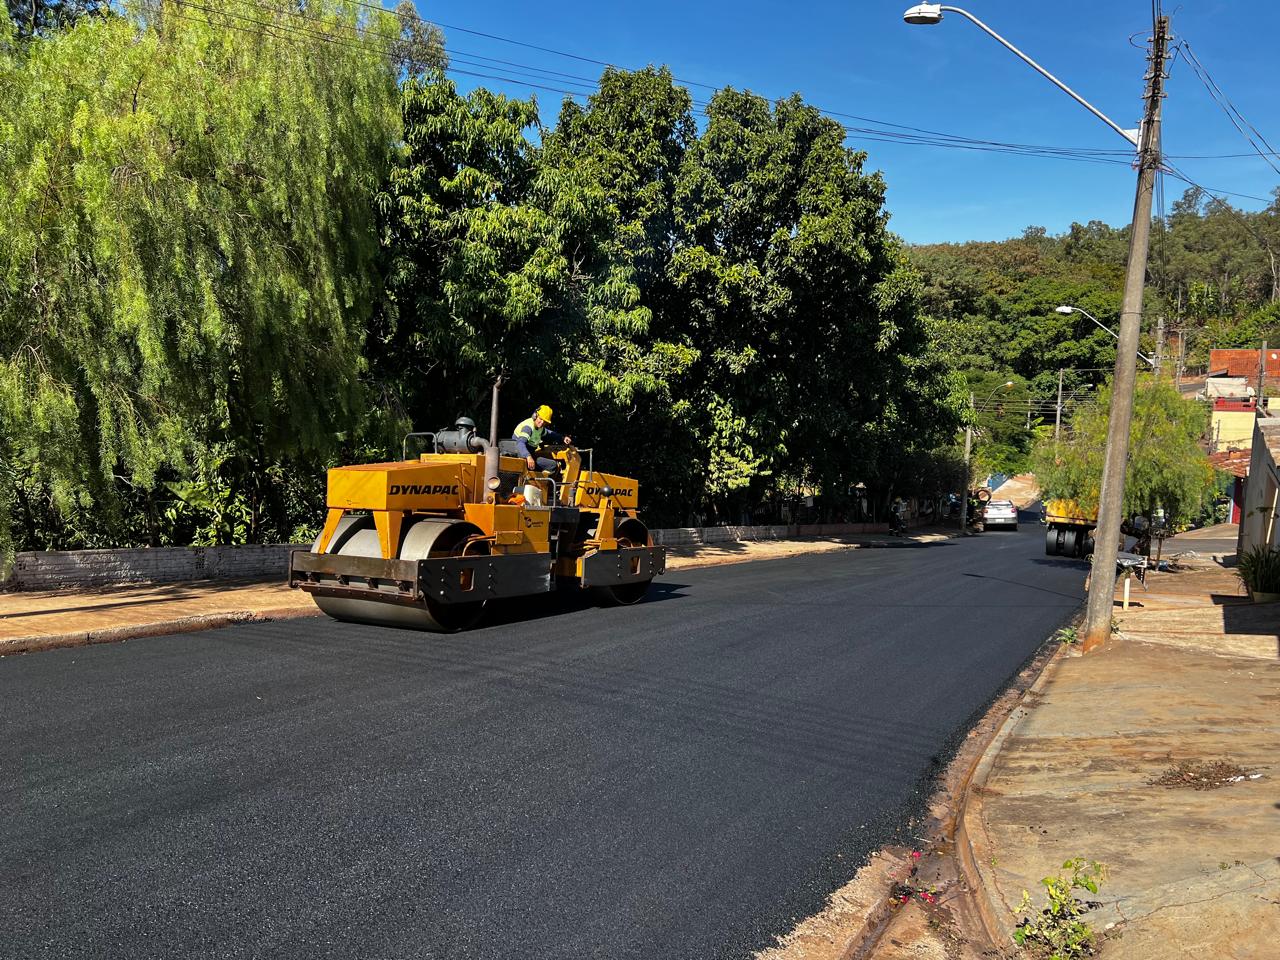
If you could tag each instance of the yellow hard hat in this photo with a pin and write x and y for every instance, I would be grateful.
(543, 413)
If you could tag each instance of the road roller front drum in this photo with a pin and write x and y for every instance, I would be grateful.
(422, 540)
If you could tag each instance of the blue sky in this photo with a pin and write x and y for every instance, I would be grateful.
(858, 57)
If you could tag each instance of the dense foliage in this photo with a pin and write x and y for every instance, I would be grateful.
(246, 244)
(1212, 278)
(34, 18)
(1167, 466)
(189, 262)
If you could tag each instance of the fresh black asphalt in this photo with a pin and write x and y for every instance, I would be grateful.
(679, 779)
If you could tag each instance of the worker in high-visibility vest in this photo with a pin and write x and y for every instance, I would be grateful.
(532, 433)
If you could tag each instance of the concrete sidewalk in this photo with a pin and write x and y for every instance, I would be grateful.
(1194, 866)
(37, 621)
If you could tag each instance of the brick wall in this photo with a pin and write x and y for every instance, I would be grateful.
(62, 569)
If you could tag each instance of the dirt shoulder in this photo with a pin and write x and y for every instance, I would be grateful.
(45, 620)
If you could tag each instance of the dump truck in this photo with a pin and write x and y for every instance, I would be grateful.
(427, 542)
(1070, 528)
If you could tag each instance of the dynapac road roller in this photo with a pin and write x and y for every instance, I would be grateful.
(427, 542)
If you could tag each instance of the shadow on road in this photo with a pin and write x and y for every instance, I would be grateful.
(1061, 562)
(561, 602)
(1029, 586)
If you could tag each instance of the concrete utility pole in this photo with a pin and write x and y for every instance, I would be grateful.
(968, 449)
(1057, 413)
(1102, 582)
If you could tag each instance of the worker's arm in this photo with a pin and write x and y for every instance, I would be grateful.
(556, 437)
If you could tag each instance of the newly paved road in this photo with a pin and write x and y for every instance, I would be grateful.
(679, 779)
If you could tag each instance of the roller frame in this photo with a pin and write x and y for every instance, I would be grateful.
(611, 568)
(493, 577)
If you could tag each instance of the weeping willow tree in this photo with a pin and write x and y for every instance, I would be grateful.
(190, 253)
(1167, 467)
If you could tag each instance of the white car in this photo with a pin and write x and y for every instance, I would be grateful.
(1000, 513)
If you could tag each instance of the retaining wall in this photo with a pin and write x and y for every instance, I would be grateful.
(64, 569)
(59, 569)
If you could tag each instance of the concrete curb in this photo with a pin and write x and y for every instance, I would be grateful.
(972, 849)
(159, 628)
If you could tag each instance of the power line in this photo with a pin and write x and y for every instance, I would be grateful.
(359, 41)
(923, 133)
(1238, 120)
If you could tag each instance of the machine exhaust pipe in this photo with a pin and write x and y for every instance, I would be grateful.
(493, 414)
(490, 466)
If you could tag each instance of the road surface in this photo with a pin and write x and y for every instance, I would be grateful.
(679, 779)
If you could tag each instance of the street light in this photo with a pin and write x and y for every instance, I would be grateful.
(928, 14)
(1102, 326)
(968, 449)
(1097, 624)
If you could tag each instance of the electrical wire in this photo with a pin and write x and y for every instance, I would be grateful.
(1246, 129)
(924, 135)
(532, 77)
(361, 41)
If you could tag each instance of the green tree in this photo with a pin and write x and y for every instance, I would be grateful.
(38, 18)
(190, 248)
(815, 362)
(1167, 466)
(419, 47)
(498, 263)
(626, 146)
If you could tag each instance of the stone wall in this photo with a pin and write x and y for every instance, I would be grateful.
(61, 569)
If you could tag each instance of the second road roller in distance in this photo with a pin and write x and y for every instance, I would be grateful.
(427, 542)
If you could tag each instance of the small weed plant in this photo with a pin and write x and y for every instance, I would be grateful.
(1057, 932)
(1067, 635)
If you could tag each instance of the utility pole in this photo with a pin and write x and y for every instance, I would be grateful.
(1159, 358)
(1057, 414)
(968, 449)
(1102, 582)
(1262, 381)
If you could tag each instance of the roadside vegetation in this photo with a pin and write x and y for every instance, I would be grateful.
(245, 242)
(1167, 467)
(238, 252)
(1212, 276)
(1059, 931)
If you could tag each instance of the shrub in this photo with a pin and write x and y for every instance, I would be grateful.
(1058, 932)
(1259, 568)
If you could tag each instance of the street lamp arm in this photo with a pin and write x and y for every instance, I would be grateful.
(1004, 386)
(1129, 135)
(1101, 326)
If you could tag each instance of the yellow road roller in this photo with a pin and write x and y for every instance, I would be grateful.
(427, 542)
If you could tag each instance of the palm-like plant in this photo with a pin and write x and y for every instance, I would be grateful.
(1259, 568)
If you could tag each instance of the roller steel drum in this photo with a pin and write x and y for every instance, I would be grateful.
(424, 539)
